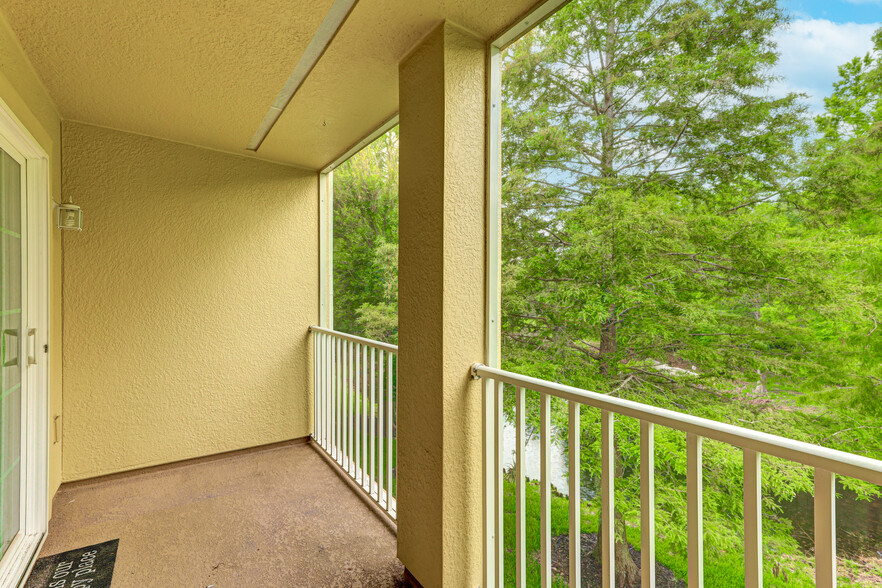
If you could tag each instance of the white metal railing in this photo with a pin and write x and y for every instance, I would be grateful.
(827, 464)
(356, 410)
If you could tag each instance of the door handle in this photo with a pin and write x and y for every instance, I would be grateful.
(32, 346)
(10, 333)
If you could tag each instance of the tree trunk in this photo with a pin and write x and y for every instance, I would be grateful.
(608, 344)
(626, 572)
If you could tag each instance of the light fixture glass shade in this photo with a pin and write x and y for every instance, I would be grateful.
(69, 217)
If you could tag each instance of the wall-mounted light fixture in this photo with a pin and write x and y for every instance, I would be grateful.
(69, 217)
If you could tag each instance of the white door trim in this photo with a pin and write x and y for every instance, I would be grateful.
(21, 555)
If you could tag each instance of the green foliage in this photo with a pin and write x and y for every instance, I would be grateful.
(673, 235)
(725, 569)
(366, 241)
(855, 106)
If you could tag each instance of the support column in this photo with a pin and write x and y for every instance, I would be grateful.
(442, 324)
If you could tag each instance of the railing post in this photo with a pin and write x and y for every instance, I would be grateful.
(695, 510)
(608, 498)
(499, 509)
(825, 529)
(545, 488)
(647, 504)
(372, 470)
(381, 422)
(521, 498)
(575, 466)
(753, 520)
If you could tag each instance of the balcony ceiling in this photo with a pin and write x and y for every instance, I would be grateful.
(205, 72)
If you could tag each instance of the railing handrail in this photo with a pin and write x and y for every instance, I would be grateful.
(355, 339)
(833, 460)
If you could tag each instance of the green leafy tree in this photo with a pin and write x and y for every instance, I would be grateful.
(840, 205)
(366, 241)
(650, 247)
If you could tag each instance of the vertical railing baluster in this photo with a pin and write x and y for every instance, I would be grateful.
(647, 504)
(372, 469)
(321, 390)
(545, 487)
(335, 386)
(500, 480)
(328, 387)
(341, 384)
(364, 422)
(825, 528)
(520, 489)
(356, 422)
(338, 398)
(753, 520)
(344, 376)
(381, 399)
(694, 510)
(575, 467)
(316, 362)
(347, 424)
(390, 415)
(327, 367)
(329, 394)
(607, 498)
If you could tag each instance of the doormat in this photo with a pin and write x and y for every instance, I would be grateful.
(86, 567)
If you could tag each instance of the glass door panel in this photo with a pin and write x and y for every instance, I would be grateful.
(11, 348)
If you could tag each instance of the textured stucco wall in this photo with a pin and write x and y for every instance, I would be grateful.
(24, 94)
(441, 308)
(186, 302)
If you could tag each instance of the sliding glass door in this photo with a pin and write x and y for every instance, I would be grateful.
(24, 257)
(13, 291)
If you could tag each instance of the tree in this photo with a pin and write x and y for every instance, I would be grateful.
(840, 203)
(366, 241)
(649, 247)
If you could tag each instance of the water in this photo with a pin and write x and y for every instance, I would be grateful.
(531, 458)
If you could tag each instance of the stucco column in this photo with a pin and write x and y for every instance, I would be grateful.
(441, 307)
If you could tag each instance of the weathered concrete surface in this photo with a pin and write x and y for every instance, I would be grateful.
(276, 517)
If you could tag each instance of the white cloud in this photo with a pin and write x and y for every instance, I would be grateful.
(812, 50)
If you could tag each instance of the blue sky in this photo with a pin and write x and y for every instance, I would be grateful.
(821, 36)
(857, 11)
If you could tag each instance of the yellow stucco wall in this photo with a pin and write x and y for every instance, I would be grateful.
(24, 94)
(441, 308)
(186, 302)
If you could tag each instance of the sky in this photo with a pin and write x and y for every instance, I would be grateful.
(822, 35)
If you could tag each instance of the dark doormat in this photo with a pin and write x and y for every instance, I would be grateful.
(86, 567)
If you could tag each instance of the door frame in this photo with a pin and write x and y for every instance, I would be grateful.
(21, 555)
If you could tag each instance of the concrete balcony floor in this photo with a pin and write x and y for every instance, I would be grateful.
(273, 517)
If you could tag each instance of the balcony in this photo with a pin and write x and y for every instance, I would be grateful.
(172, 393)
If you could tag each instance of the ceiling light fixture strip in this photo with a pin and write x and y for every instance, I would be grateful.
(328, 29)
(541, 11)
